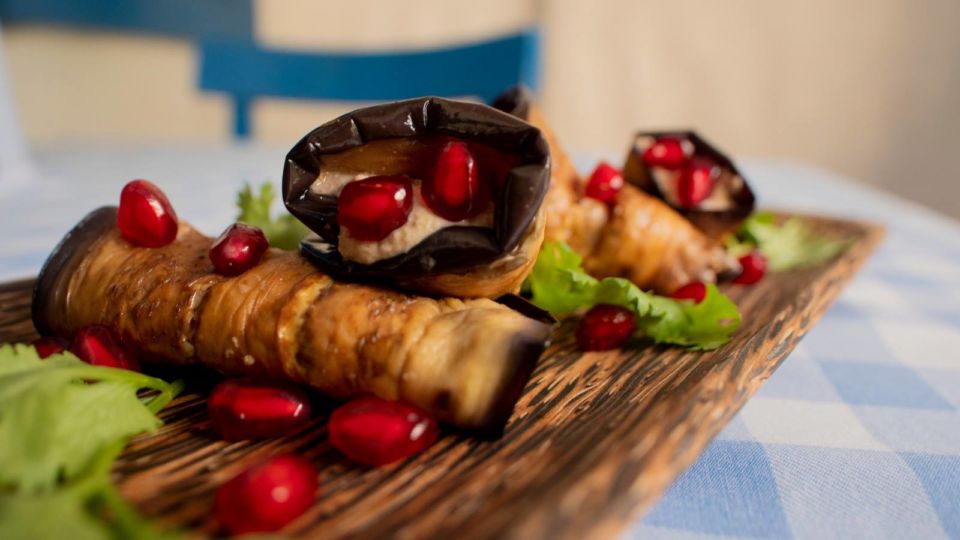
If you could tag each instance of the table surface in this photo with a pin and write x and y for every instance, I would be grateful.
(857, 435)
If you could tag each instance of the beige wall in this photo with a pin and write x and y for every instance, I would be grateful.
(865, 88)
(868, 88)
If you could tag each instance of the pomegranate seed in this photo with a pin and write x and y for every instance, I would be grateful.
(238, 249)
(605, 184)
(375, 431)
(754, 267)
(694, 290)
(667, 152)
(145, 217)
(248, 410)
(48, 346)
(696, 181)
(372, 208)
(453, 192)
(267, 496)
(605, 327)
(100, 346)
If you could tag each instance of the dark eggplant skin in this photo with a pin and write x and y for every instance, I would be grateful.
(455, 249)
(715, 223)
(515, 100)
(55, 274)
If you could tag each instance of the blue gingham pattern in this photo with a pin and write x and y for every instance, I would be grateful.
(857, 435)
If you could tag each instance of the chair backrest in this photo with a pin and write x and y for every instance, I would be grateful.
(232, 62)
(246, 72)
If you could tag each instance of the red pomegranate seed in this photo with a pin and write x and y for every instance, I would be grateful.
(754, 267)
(605, 184)
(453, 192)
(694, 290)
(375, 431)
(238, 249)
(696, 181)
(145, 217)
(48, 346)
(248, 410)
(667, 152)
(605, 327)
(267, 496)
(372, 208)
(100, 346)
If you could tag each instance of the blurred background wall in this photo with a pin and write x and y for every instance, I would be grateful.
(865, 88)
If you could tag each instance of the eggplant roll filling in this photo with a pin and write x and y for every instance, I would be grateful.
(433, 195)
(465, 361)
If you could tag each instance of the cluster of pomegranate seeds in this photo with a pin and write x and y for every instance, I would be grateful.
(238, 249)
(248, 410)
(696, 181)
(375, 431)
(694, 290)
(754, 267)
(49, 346)
(454, 192)
(605, 184)
(145, 217)
(100, 346)
(667, 152)
(267, 496)
(372, 208)
(696, 175)
(605, 327)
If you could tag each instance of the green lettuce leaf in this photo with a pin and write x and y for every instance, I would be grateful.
(62, 423)
(284, 231)
(559, 284)
(57, 414)
(58, 514)
(790, 245)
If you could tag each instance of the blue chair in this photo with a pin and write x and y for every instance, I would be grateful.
(246, 72)
(231, 62)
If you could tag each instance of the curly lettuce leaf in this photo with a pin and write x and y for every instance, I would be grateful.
(559, 284)
(62, 423)
(57, 414)
(790, 245)
(284, 231)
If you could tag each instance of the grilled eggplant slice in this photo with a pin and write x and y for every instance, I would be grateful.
(718, 208)
(640, 237)
(465, 361)
(431, 195)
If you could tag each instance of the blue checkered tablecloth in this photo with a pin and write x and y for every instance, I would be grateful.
(857, 435)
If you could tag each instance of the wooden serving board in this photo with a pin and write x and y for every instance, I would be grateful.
(593, 442)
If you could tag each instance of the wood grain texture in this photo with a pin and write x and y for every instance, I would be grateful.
(594, 440)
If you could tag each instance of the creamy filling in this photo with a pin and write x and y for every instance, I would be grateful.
(421, 223)
(332, 182)
(719, 199)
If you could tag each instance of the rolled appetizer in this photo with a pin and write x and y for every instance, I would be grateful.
(619, 229)
(693, 177)
(430, 195)
(465, 361)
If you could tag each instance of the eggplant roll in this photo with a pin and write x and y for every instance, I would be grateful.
(640, 237)
(466, 361)
(431, 195)
(693, 177)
